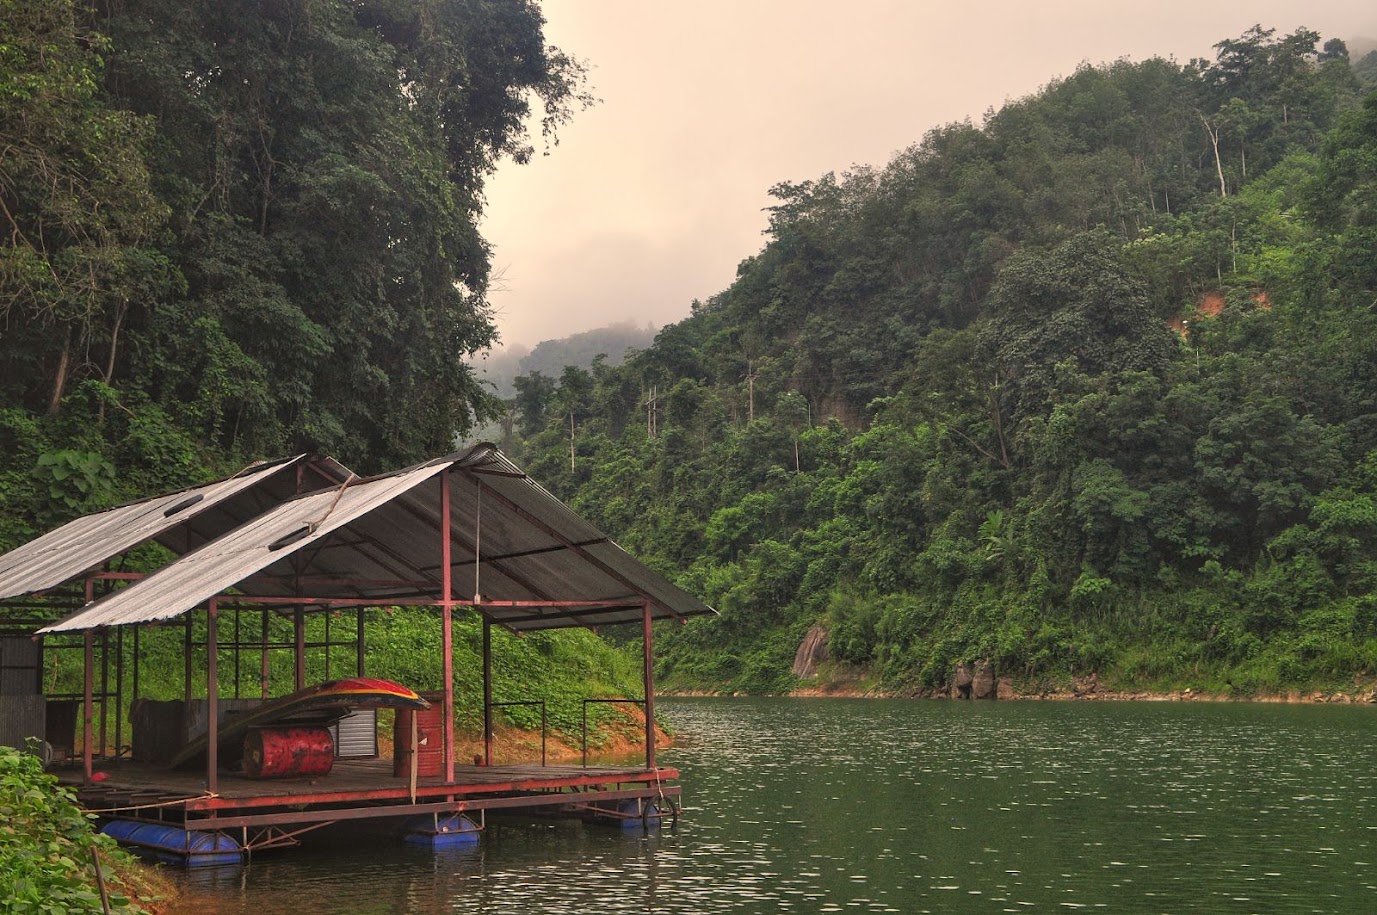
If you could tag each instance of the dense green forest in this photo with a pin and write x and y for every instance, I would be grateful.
(1090, 388)
(235, 229)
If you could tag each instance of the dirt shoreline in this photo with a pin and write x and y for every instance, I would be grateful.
(1366, 695)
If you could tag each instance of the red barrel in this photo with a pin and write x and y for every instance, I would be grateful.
(430, 741)
(288, 752)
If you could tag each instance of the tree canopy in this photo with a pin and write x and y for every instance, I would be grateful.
(1086, 388)
(261, 221)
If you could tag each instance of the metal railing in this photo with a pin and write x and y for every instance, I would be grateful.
(544, 720)
(587, 702)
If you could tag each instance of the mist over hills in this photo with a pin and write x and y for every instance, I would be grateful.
(549, 357)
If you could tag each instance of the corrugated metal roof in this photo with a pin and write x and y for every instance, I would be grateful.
(379, 540)
(179, 520)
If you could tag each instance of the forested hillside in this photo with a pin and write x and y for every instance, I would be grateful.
(1088, 388)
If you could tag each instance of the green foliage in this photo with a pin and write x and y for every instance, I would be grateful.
(71, 483)
(46, 844)
(262, 221)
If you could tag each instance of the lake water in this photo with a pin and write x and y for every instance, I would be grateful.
(840, 805)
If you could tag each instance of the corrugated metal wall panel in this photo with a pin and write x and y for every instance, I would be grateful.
(356, 734)
(18, 666)
(21, 717)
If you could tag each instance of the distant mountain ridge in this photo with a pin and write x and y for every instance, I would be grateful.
(549, 357)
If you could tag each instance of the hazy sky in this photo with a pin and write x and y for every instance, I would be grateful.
(653, 196)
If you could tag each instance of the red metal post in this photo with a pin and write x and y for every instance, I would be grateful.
(104, 688)
(88, 674)
(86, 736)
(647, 653)
(487, 623)
(487, 691)
(212, 696)
(299, 614)
(447, 613)
(119, 688)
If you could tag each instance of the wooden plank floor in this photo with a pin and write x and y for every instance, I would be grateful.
(129, 784)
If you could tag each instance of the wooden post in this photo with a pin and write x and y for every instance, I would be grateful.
(264, 666)
(212, 696)
(135, 685)
(186, 658)
(447, 623)
(299, 622)
(238, 641)
(358, 641)
(415, 751)
(647, 653)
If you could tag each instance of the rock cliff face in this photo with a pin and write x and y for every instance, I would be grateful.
(811, 653)
(985, 685)
(961, 681)
(974, 681)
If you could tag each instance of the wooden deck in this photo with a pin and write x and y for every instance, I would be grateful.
(357, 789)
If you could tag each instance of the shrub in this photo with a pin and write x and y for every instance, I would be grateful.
(46, 844)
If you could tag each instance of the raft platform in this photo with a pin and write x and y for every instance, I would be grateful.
(262, 814)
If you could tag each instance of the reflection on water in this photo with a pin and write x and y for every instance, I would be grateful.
(913, 806)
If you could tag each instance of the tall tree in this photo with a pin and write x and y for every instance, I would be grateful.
(78, 216)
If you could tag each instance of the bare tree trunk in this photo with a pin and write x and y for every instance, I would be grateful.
(64, 364)
(121, 310)
(1213, 134)
(750, 391)
(997, 415)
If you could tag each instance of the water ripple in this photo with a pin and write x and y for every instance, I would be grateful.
(909, 806)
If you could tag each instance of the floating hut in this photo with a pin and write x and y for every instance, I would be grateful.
(269, 548)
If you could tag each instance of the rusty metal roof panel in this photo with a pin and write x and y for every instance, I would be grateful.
(378, 540)
(180, 520)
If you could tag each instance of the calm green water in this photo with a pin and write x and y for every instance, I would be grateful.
(818, 805)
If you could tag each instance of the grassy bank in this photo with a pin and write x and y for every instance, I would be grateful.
(560, 668)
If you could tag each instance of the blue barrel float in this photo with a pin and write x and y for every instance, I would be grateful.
(439, 832)
(174, 845)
